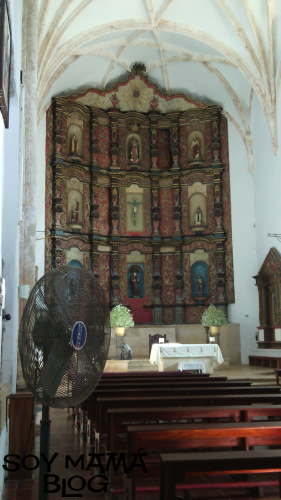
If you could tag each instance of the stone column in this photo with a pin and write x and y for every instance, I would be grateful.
(28, 227)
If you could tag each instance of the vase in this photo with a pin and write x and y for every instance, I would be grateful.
(120, 331)
(214, 330)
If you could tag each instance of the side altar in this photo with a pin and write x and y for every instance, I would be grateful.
(138, 193)
(268, 282)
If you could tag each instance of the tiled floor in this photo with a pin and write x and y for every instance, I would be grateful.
(65, 440)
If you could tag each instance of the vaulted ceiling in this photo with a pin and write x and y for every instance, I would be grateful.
(220, 51)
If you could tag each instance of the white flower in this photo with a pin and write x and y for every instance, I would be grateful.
(121, 316)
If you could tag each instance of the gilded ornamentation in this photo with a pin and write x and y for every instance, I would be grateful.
(167, 267)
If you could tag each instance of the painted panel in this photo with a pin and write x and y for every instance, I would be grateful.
(104, 211)
(104, 146)
(168, 279)
(164, 150)
(104, 277)
(166, 212)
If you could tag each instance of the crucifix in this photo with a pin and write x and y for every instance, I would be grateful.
(134, 205)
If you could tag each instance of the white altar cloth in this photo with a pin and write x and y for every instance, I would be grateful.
(189, 365)
(159, 351)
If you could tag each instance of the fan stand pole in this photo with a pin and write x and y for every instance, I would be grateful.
(44, 448)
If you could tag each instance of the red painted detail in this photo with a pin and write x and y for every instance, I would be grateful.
(140, 313)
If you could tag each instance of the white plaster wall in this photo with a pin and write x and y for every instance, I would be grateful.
(245, 309)
(267, 184)
(40, 197)
(10, 194)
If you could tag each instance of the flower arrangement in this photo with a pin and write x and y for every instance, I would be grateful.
(120, 316)
(213, 317)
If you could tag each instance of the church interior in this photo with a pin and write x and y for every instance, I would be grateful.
(139, 142)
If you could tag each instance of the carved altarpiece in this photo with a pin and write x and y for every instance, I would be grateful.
(136, 177)
(268, 282)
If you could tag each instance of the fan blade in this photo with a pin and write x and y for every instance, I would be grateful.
(55, 367)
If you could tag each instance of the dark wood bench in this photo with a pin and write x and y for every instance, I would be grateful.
(116, 385)
(175, 391)
(181, 437)
(139, 384)
(175, 373)
(104, 404)
(120, 419)
(174, 467)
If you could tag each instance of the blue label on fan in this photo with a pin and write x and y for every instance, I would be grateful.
(79, 335)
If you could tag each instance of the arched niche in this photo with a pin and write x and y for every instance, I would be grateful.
(198, 214)
(136, 265)
(195, 147)
(74, 257)
(75, 140)
(75, 209)
(133, 150)
(75, 263)
(200, 280)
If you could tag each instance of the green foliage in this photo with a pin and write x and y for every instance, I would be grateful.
(121, 316)
(213, 317)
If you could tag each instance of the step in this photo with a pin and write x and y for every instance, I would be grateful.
(142, 365)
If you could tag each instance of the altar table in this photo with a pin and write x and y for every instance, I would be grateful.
(167, 356)
(191, 366)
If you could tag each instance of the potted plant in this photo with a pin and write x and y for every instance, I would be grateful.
(121, 318)
(213, 318)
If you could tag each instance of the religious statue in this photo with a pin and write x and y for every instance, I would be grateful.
(75, 213)
(74, 144)
(198, 217)
(135, 289)
(199, 285)
(134, 152)
(134, 205)
(195, 148)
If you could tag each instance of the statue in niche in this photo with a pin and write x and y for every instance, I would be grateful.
(195, 148)
(74, 145)
(134, 205)
(200, 284)
(198, 217)
(134, 282)
(134, 152)
(75, 213)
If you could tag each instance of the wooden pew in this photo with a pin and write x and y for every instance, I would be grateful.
(104, 404)
(176, 465)
(180, 437)
(120, 419)
(115, 375)
(167, 391)
(147, 382)
(172, 383)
